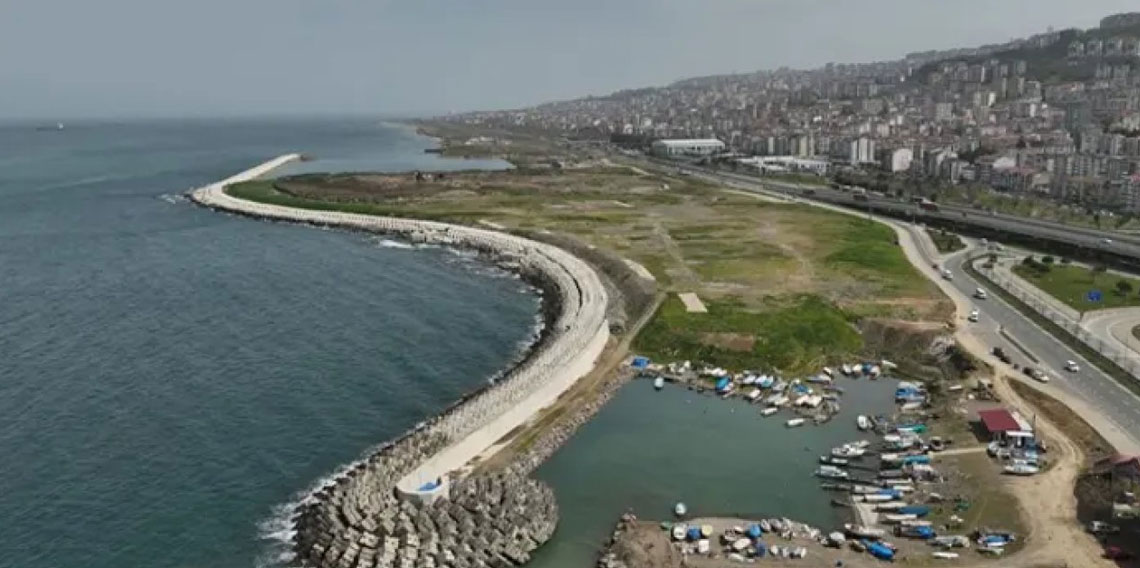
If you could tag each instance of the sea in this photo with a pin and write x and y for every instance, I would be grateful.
(172, 379)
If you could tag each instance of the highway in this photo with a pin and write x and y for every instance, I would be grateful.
(1105, 245)
(1112, 409)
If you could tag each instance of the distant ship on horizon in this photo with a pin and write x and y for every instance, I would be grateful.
(58, 126)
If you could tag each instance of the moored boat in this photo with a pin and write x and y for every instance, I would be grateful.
(659, 383)
(680, 509)
(769, 411)
(794, 422)
(863, 422)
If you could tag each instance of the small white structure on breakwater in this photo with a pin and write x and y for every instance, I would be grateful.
(438, 450)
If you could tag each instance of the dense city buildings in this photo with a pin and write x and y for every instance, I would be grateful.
(1056, 114)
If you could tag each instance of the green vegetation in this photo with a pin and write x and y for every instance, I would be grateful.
(945, 242)
(783, 282)
(793, 334)
(1110, 368)
(1071, 284)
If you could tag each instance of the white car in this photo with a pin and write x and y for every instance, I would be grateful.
(1106, 241)
(947, 275)
(973, 316)
(980, 294)
(1072, 367)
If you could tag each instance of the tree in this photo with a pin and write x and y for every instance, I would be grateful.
(1123, 287)
(1097, 270)
(1029, 261)
(1065, 260)
(1047, 259)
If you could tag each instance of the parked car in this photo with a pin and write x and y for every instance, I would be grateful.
(1117, 553)
(973, 316)
(1071, 366)
(1001, 355)
(1101, 527)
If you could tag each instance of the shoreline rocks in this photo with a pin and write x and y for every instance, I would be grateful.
(359, 518)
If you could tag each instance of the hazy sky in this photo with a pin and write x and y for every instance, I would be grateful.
(78, 58)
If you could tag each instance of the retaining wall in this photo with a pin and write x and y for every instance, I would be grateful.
(357, 519)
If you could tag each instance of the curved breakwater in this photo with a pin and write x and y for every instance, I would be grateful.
(408, 503)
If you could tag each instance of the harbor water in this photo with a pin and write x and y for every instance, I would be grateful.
(647, 450)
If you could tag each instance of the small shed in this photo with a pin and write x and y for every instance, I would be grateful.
(1005, 426)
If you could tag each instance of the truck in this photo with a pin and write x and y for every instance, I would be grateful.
(927, 205)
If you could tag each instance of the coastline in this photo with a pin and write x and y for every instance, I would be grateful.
(417, 464)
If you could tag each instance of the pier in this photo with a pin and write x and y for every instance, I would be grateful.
(411, 503)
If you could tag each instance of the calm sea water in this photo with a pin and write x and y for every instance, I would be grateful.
(169, 375)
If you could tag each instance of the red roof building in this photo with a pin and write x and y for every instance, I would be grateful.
(999, 420)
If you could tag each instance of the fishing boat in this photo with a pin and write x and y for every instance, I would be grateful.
(769, 411)
(753, 395)
(794, 422)
(829, 372)
(898, 517)
(864, 532)
(765, 525)
(679, 531)
(659, 383)
(941, 554)
(779, 385)
(680, 509)
(706, 531)
(749, 379)
(848, 451)
(831, 472)
(863, 422)
(832, 460)
(819, 379)
(765, 381)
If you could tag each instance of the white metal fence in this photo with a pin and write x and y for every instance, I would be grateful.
(1122, 356)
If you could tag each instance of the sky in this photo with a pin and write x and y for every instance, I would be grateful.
(189, 58)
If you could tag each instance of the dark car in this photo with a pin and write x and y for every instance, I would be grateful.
(1117, 553)
(1002, 355)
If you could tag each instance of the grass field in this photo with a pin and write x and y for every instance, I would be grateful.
(945, 242)
(784, 283)
(1071, 284)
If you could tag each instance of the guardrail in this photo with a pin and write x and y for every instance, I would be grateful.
(1117, 363)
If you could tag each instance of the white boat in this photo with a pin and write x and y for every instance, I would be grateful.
(898, 517)
(749, 380)
(769, 411)
(863, 422)
(890, 506)
(832, 460)
(741, 544)
(831, 472)
(778, 400)
(848, 451)
(753, 395)
(944, 555)
(679, 509)
(765, 381)
(703, 546)
(794, 422)
(846, 369)
(829, 372)
(659, 383)
(679, 531)
(864, 532)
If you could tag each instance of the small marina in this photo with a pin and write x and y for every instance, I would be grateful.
(892, 495)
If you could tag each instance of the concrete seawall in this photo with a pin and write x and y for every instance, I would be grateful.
(410, 504)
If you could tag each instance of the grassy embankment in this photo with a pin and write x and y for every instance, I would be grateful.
(1071, 284)
(945, 242)
(783, 283)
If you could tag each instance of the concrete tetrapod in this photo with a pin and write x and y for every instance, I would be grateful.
(409, 504)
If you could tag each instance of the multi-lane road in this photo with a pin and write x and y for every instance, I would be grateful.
(1114, 410)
